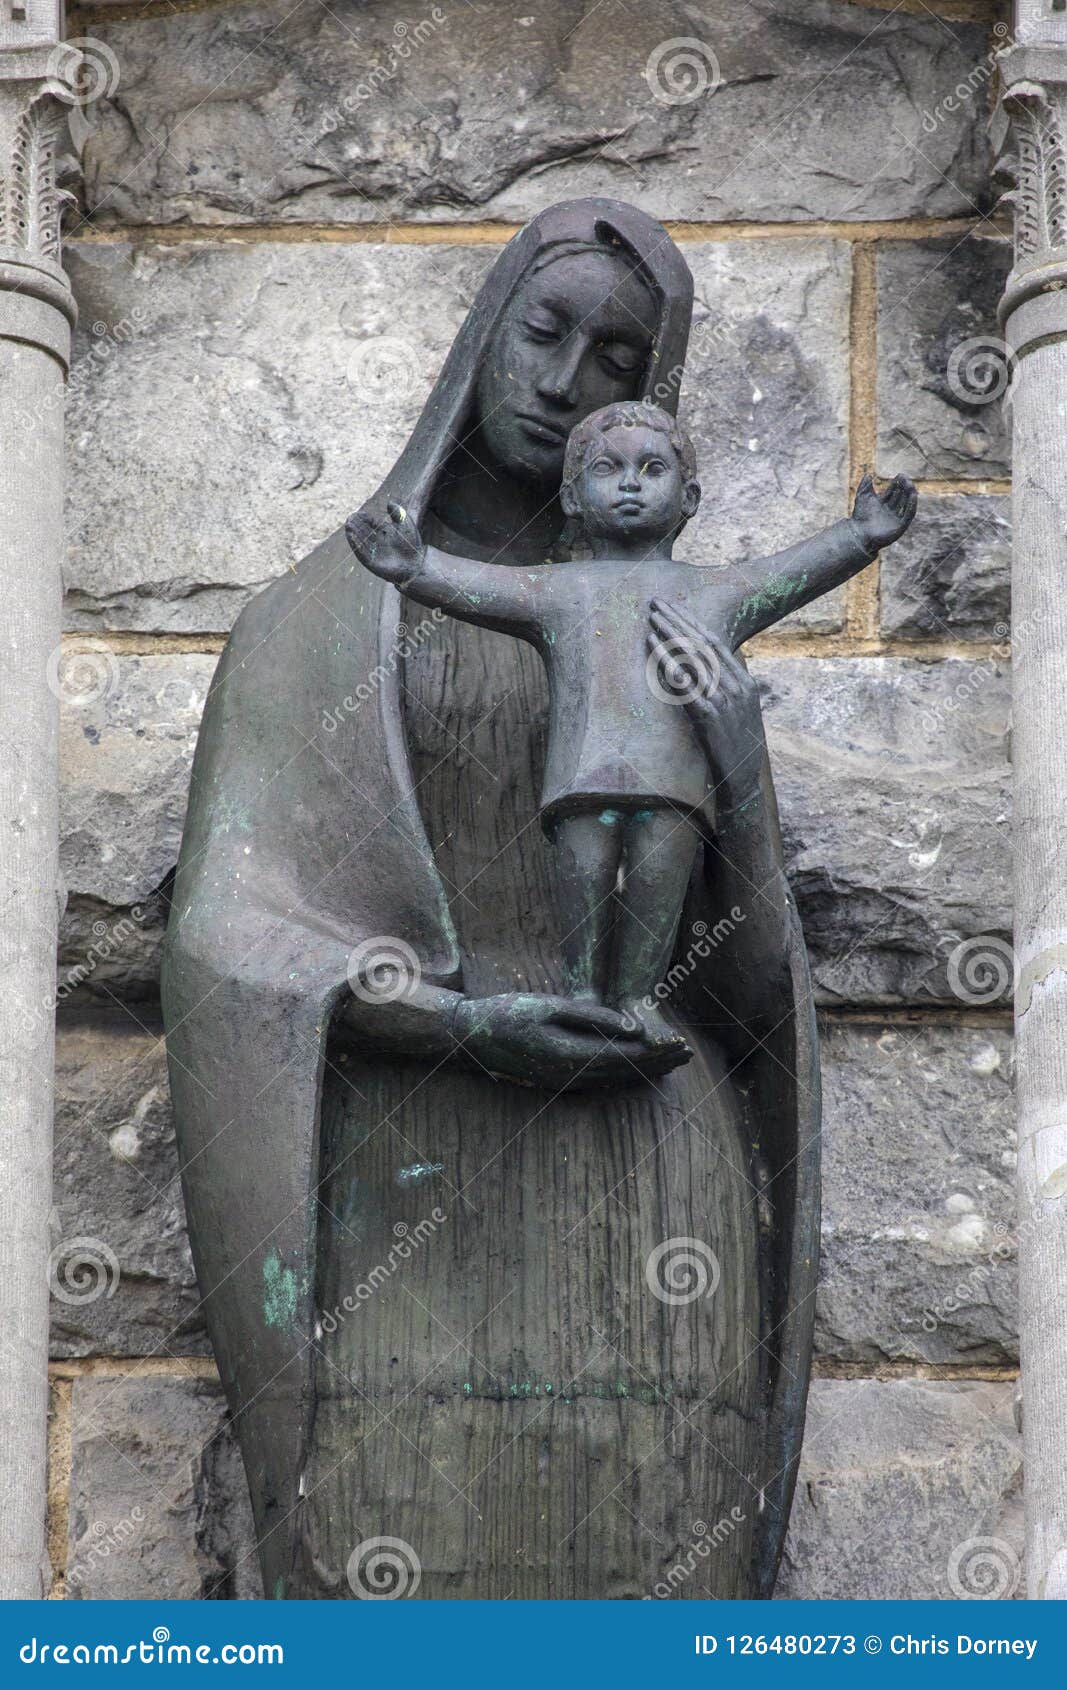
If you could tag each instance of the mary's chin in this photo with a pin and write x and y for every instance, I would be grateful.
(527, 454)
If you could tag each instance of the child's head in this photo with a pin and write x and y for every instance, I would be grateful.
(630, 473)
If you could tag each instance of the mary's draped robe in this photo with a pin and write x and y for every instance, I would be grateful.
(513, 1400)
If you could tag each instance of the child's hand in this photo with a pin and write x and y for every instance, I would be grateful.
(883, 517)
(391, 548)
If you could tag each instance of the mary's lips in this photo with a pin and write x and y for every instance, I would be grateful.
(547, 430)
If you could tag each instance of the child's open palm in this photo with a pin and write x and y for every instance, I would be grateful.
(883, 517)
(389, 546)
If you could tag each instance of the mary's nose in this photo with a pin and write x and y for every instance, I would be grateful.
(558, 380)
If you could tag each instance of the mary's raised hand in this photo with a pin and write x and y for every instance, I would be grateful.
(684, 661)
(719, 696)
(883, 517)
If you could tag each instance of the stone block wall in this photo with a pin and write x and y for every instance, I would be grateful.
(285, 214)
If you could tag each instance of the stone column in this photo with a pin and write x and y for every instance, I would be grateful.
(36, 313)
(1032, 124)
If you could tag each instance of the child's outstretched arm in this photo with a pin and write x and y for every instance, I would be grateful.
(768, 588)
(493, 594)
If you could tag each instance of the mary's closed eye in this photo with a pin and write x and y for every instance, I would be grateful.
(620, 358)
(542, 327)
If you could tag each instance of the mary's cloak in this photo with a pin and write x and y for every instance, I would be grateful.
(300, 845)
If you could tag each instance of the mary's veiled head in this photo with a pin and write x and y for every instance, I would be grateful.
(575, 335)
(590, 303)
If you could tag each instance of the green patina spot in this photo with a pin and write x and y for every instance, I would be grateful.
(418, 1172)
(279, 1590)
(279, 1286)
(777, 593)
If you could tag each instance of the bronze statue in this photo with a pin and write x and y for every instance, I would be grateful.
(449, 1187)
(627, 798)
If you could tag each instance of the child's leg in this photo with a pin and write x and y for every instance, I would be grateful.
(659, 849)
(588, 850)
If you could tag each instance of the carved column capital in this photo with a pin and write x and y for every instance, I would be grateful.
(1031, 131)
(38, 141)
(1030, 134)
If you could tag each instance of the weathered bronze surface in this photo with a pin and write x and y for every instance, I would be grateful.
(452, 1134)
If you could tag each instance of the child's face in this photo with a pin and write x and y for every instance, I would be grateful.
(631, 486)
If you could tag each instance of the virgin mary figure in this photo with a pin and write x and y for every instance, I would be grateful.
(504, 1302)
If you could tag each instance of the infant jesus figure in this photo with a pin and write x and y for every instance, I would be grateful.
(628, 793)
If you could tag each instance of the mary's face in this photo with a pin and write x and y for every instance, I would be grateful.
(576, 335)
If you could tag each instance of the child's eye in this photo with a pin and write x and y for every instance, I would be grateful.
(602, 466)
(655, 466)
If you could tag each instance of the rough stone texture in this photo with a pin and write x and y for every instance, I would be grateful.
(128, 732)
(159, 1506)
(306, 366)
(115, 1182)
(918, 1252)
(271, 353)
(893, 786)
(897, 1481)
(366, 110)
(765, 398)
(942, 366)
(950, 576)
(891, 775)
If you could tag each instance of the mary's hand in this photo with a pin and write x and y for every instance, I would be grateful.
(557, 1044)
(719, 696)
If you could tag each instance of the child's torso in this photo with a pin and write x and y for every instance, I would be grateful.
(616, 728)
